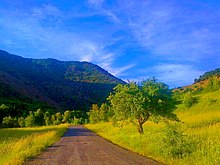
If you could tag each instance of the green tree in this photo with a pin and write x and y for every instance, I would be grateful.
(59, 118)
(94, 114)
(10, 122)
(39, 117)
(4, 111)
(105, 112)
(66, 117)
(47, 118)
(30, 120)
(21, 122)
(189, 100)
(53, 119)
(139, 102)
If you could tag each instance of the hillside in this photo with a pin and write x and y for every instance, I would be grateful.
(30, 83)
(209, 74)
(209, 81)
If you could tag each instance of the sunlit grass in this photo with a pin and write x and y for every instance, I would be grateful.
(200, 123)
(17, 144)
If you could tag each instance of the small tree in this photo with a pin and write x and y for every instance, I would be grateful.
(53, 119)
(139, 102)
(59, 118)
(47, 118)
(189, 100)
(94, 114)
(30, 120)
(105, 112)
(21, 122)
(66, 117)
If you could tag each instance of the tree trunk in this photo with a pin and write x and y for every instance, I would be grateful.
(140, 128)
(141, 121)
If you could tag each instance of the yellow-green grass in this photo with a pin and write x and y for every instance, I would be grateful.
(18, 144)
(201, 124)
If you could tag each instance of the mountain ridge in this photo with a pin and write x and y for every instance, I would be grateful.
(59, 84)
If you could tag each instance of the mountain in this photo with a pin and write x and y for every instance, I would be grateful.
(30, 83)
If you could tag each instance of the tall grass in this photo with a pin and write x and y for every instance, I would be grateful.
(18, 144)
(196, 139)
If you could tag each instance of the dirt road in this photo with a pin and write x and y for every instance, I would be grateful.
(79, 146)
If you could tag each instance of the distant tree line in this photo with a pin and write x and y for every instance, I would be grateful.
(41, 118)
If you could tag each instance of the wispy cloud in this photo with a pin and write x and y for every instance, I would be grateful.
(52, 42)
(173, 32)
(179, 74)
(173, 74)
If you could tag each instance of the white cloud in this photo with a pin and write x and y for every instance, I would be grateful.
(177, 74)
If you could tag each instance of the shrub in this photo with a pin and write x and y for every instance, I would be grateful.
(175, 143)
(189, 100)
(9, 122)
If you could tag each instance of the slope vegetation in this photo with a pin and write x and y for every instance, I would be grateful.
(29, 83)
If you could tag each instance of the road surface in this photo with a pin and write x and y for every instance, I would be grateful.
(80, 146)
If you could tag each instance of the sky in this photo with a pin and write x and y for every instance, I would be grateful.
(175, 41)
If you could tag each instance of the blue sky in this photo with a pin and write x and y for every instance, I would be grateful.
(173, 40)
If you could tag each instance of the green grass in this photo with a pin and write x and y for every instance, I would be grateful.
(201, 134)
(18, 144)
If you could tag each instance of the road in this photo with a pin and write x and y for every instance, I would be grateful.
(80, 146)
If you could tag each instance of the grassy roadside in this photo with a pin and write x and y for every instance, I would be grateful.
(195, 141)
(17, 144)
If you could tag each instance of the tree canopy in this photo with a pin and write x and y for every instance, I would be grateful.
(139, 102)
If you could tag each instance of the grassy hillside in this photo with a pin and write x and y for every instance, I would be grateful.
(18, 144)
(196, 140)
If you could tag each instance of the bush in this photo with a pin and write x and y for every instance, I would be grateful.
(189, 100)
(9, 122)
(175, 143)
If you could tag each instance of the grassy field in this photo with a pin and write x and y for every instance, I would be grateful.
(196, 140)
(18, 144)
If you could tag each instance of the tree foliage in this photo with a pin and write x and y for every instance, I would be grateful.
(99, 114)
(189, 100)
(10, 122)
(138, 102)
